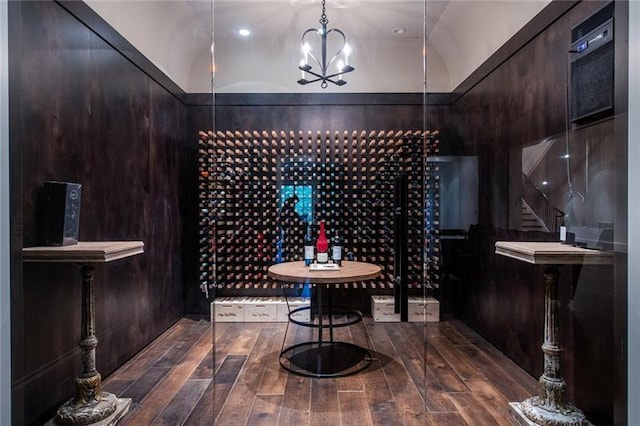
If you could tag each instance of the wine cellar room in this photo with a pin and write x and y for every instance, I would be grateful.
(313, 211)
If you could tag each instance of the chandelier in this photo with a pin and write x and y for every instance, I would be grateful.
(323, 74)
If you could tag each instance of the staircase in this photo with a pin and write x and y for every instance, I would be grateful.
(538, 210)
(531, 222)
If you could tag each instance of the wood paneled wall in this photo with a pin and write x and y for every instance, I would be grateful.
(82, 112)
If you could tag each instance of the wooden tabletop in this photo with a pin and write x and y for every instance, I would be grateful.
(348, 272)
(545, 253)
(84, 252)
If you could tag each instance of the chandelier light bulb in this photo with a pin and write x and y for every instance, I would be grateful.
(305, 50)
(347, 51)
(302, 64)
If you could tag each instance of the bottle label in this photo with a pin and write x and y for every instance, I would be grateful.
(308, 252)
(337, 252)
(323, 257)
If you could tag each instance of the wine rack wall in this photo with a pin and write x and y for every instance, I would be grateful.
(344, 178)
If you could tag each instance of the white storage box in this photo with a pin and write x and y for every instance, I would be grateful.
(227, 309)
(382, 309)
(260, 309)
(420, 309)
(294, 303)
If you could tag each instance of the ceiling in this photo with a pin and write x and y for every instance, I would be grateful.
(176, 36)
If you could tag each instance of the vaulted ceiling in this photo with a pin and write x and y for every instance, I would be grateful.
(177, 36)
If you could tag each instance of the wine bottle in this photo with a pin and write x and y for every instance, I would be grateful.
(308, 247)
(322, 245)
(336, 251)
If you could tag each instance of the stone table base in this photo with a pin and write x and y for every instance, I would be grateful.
(515, 410)
(122, 408)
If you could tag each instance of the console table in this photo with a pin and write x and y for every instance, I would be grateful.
(550, 406)
(320, 358)
(90, 405)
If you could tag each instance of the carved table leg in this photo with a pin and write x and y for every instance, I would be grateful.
(90, 405)
(550, 408)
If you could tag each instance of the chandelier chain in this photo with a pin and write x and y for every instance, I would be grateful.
(323, 17)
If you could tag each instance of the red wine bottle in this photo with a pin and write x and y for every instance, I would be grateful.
(322, 245)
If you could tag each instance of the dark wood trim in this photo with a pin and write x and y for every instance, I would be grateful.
(197, 99)
(82, 12)
(539, 23)
(439, 98)
(305, 99)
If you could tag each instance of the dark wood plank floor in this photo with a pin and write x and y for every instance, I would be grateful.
(456, 378)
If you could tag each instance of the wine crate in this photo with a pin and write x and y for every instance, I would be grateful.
(423, 309)
(294, 303)
(420, 309)
(261, 309)
(382, 309)
(227, 309)
(258, 309)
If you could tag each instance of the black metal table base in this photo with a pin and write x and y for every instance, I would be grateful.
(325, 358)
(332, 359)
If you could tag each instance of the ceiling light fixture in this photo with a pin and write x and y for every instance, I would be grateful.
(244, 32)
(323, 74)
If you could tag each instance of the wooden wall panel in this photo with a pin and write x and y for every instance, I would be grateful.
(84, 113)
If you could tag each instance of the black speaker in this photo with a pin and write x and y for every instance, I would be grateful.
(592, 69)
(59, 213)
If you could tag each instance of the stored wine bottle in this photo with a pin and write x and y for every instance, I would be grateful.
(308, 247)
(336, 252)
(322, 245)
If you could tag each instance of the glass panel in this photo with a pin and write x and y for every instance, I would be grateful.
(349, 155)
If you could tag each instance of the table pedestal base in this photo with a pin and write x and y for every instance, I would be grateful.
(81, 414)
(328, 359)
(523, 413)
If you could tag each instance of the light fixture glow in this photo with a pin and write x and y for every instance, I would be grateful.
(244, 32)
(565, 156)
(398, 31)
(544, 182)
(322, 74)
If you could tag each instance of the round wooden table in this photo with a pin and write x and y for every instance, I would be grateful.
(320, 358)
(348, 272)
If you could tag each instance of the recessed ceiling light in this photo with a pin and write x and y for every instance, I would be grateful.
(400, 30)
(244, 32)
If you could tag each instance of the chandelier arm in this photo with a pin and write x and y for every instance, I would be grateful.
(322, 61)
(315, 74)
(344, 43)
(339, 73)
